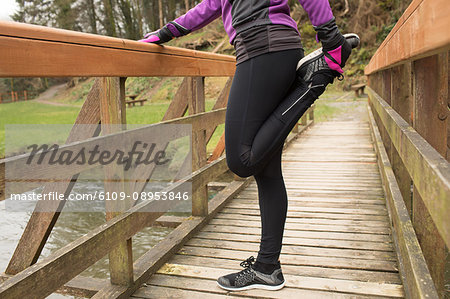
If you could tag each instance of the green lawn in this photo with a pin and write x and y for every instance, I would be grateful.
(33, 113)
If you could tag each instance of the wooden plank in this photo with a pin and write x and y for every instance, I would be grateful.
(294, 208)
(375, 204)
(150, 262)
(210, 286)
(221, 102)
(424, 20)
(300, 241)
(59, 35)
(18, 39)
(416, 277)
(40, 224)
(179, 104)
(196, 104)
(48, 57)
(428, 169)
(169, 221)
(360, 223)
(175, 271)
(158, 292)
(112, 114)
(306, 227)
(79, 286)
(326, 272)
(322, 261)
(296, 249)
(430, 121)
(312, 215)
(305, 234)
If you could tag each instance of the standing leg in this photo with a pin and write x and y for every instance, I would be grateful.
(273, 208)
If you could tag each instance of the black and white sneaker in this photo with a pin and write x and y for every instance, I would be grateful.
(250, 278)
(315, 63)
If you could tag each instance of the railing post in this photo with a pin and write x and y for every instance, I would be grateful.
(311, 112)
(112, 112)
(196, 104)
(304, 120)
(430, 121)
(401, 101)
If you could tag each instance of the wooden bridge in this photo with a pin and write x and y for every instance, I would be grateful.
(368, 199)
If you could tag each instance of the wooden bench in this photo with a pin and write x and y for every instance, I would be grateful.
(132, 103)
(357, 88)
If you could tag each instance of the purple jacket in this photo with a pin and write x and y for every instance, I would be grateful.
(238, 15)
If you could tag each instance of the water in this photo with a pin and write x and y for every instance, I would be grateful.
(69, 227)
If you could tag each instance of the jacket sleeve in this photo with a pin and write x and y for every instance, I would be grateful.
(319, 11)
(197, 17)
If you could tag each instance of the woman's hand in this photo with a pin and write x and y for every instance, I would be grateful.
(334, 45)
(158, 37)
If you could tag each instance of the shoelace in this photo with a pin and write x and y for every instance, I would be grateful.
(248, 262)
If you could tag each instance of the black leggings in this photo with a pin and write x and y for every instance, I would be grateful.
(264, 104)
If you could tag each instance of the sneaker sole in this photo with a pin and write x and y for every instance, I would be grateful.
(309, 57)
(319, 52)
(253, 286)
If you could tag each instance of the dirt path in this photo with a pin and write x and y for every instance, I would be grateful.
(50, 93)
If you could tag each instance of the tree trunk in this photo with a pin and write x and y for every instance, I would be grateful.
(138, 15)
(186, 4)
(161, 17)
(110, 24)
(92, 16)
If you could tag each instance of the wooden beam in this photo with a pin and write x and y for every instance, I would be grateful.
(420, 32)
(33, 51)
(113, 118)
(221, 102)
(430, 96)
(80, 286)
(413, 268)
(41, 223)
(169, 221)
(428, 169)
(196, 104)
(401, 101)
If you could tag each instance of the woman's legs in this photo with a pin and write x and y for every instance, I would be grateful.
(273, 205)
(259, 86)
(266, 99)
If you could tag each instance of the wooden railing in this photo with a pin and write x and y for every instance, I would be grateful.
(28, 51)
(409, 97)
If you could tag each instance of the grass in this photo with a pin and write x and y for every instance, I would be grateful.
(325, 112)
(33, 113)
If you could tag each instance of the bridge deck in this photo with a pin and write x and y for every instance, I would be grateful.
(337, 241)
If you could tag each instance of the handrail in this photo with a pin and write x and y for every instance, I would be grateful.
(54, 52)
(408, 95)
(427, 168)
(421, 31)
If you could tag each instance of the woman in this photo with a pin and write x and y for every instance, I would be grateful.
(267, 97)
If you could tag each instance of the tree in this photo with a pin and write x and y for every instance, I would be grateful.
(109, 22)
